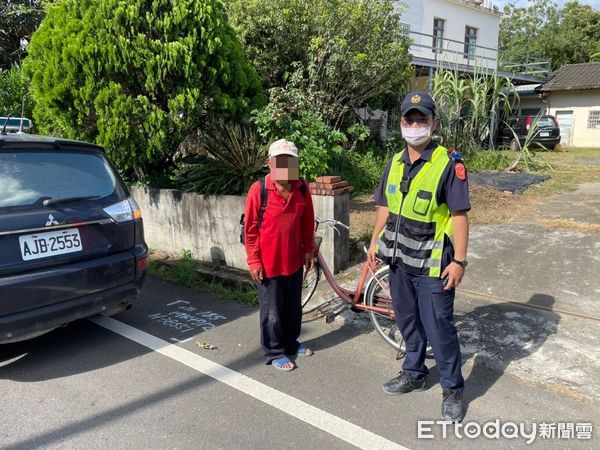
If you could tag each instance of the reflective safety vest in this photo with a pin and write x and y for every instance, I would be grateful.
(415, 239)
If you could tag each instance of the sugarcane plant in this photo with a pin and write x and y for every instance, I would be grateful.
(468, 105)
(527, 160)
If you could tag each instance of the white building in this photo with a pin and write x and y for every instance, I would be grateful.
(455, 32)
(573, 97)
(463, 35)
(460, 35)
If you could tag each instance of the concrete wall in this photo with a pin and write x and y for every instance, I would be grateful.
(209, 226)
(580, 102)
(530, 103)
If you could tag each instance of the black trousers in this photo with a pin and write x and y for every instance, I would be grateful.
(425, 312)
(280, 315)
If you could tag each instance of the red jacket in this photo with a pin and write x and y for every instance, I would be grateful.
(286, 233)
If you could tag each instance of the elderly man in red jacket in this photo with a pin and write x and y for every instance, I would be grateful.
(279, 243)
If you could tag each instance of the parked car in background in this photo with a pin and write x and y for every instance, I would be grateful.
(71, 236)
(547, 134)
(15, 124)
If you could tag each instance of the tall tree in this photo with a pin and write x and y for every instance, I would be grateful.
(15, 99)
(344, 54)
(18, 20)
(543, 31)
(575, 37)
(137, 76)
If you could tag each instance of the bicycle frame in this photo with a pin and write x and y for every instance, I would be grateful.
(356, 298)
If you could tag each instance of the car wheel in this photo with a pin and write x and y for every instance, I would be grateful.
(514, 145)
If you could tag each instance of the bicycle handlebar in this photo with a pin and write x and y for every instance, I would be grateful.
(332, 222)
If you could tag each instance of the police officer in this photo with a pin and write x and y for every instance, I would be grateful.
(421, 231)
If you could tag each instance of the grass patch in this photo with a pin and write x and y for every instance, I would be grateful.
(184, 271)
(489, 160)
(490, 206)
(570, 169)
(564, 224)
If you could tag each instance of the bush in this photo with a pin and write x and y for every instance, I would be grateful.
(288, 115)
(362, 170)
(350, 53)
(488, 160)
(15, 99)
(230, 157)
(137, 76)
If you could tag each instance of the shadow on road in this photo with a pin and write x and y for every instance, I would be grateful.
(497, 335)
(83, 347)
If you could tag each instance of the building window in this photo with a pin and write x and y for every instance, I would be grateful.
(405, 28)
(438, 35)
(594, 119)
(470, 42)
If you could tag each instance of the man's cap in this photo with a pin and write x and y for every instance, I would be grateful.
(420, 101)
(283, 147)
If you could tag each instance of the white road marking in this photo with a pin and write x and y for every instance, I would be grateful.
(181, 342)
(312, 415)
(178, 301)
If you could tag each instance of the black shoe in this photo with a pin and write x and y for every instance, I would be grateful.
(452, 405)
(403, 384)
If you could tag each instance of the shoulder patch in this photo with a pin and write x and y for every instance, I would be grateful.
(460, 171)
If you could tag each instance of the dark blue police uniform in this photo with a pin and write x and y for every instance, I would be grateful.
(424, 310)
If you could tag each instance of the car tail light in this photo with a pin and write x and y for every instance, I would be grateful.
(124, 211)
(528, 123)
(142, 263)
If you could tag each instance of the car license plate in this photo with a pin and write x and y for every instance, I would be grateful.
(52, 243)
(545, 134)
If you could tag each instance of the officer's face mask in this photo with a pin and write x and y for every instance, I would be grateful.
(416, 135)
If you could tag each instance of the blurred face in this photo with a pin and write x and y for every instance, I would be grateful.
(284, 168)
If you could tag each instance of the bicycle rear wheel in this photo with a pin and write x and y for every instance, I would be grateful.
(309, 283)
(378, 295)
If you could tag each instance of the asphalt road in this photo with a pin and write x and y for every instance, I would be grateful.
(140, 380)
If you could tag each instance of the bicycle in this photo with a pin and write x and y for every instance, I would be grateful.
(372, 293)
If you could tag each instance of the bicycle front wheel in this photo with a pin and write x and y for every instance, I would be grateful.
(309, 283)
(378, 295)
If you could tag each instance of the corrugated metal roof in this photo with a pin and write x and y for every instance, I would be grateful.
(575, 77)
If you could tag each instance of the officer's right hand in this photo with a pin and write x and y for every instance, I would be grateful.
(257, 274)
(372, 256)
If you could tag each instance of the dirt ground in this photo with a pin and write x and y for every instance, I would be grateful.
(490, 206)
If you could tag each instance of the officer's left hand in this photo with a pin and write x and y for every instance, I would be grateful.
(309, 261)
(453, 275)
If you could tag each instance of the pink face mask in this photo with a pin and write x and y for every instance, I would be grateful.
(416, 135)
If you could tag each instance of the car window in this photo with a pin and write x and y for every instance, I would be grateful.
(26, 177)
(545, 122)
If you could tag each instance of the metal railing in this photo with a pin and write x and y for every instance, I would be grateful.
(451, 51)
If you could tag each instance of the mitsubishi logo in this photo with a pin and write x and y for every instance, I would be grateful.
(51, 221)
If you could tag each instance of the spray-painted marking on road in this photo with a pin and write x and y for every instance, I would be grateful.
(185, 320)
(303, 411)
